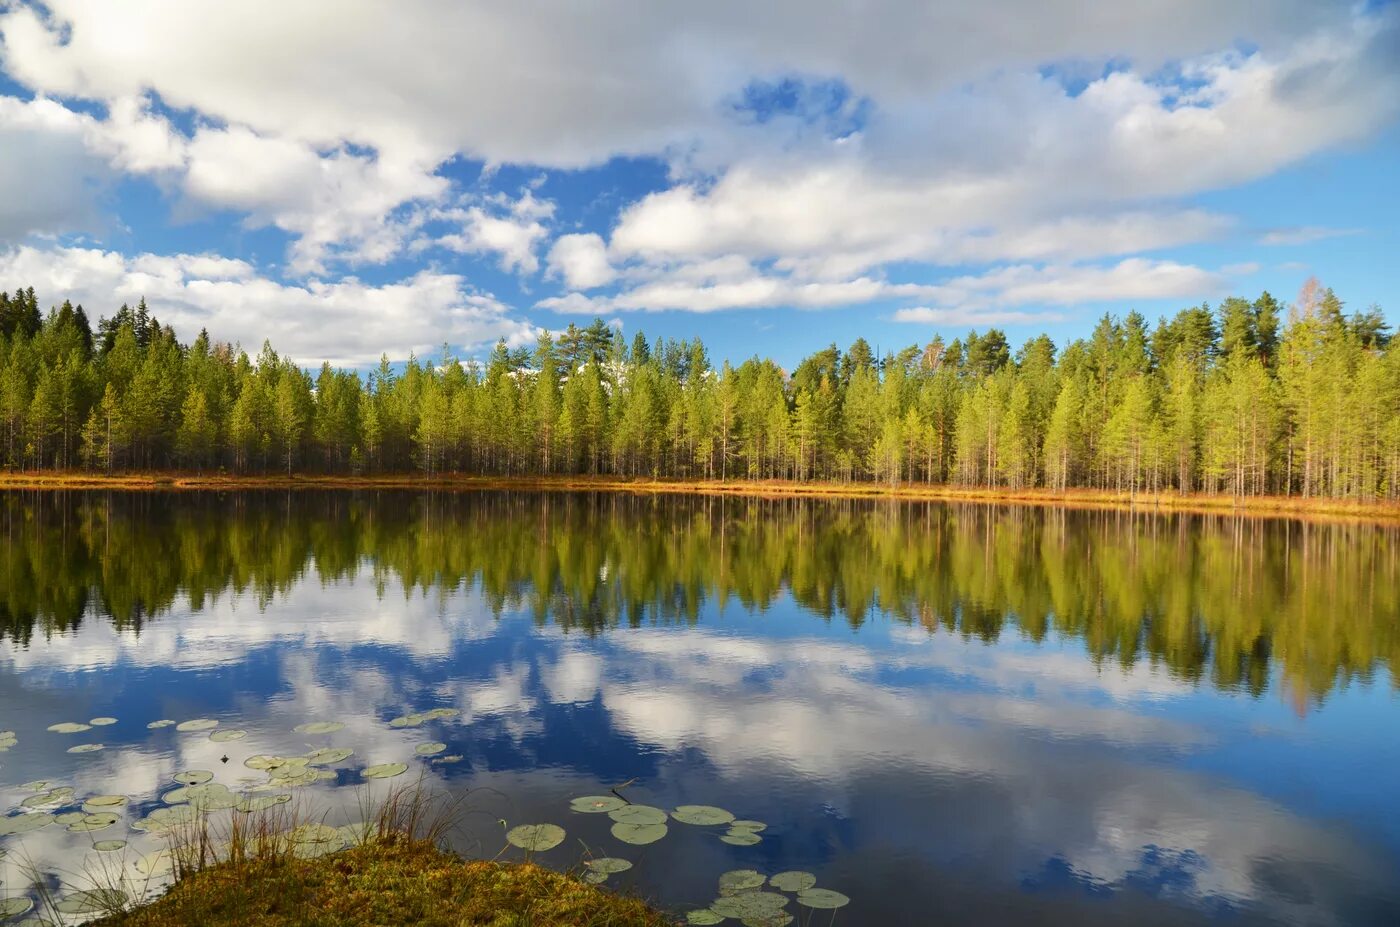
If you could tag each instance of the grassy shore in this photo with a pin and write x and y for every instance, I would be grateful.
(394, 881)
(1204, 503)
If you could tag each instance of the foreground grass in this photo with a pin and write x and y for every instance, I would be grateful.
(394, 881)
(1199, 503)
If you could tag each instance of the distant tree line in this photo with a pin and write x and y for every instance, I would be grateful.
(1246, 398)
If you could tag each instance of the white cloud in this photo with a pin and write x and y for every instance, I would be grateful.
(347, 322)
(582, 261)
(1303, 235)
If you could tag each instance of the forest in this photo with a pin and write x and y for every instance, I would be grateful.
(1245, 398)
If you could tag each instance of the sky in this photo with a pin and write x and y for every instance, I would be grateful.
(360, 177)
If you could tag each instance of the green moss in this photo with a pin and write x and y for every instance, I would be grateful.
(387, 882)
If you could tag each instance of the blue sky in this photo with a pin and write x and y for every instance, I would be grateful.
(355, 178)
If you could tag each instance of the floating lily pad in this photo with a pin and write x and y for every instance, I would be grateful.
(429, 749)
(597, 804)
(536, 838)
(56, 796)
(14, 907)
(823, 898)
(442, 714)
(408, 721)
(96, 901)
(595, 878)
(262, 803)
(86, 748)
(741, 838)
(38, 785)
(778, 919)
(385, 771)
(94, 822)
(793, 881)
(750, 904)
(701, 815)
(639, 834)
(158, 863)
(69, 817)
(703, 917)
(208, 796)
(608, 864)
(193, 777)
(102, 722)
(358, 833)
(751, 826)
(157, 725)
(23, 823)
(263, 761)
(105, 801)
(741, 880)
(447, 760)
(69, 727)
(638, 814)
(320, 727)
(328, 756)
(198, 724)
(223, 737)
(109, 846)
(163, 819)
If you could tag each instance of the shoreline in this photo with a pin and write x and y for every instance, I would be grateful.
(1155, 503)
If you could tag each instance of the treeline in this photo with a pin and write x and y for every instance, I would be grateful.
(1233, 603)
(1245, 398)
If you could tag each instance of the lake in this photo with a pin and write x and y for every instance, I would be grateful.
(952, 714)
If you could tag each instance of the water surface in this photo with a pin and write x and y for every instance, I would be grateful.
(952, 714)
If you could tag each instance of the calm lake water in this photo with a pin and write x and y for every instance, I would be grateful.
(951, 714)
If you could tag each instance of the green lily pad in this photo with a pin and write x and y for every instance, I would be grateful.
(264, 761)
(109, 846)
(94, 822)
(193, 777)
(38, 785)
(608, 864)
(742, 838)
(638, 814)
(163, 819)
(157, 725)
(23, 823)
(223, 737)
(823, 898)
(447, 760)
(159, 863)
(262, 803)
(385, 771)
(793, 881)
(69, 727)
(86, 748)
(778, 919)
(68, 817)
(320, 727)
(741, 880)
(441, 714)
(95, 901)
(750, 904)
(751, 826)
(102, 722)
(701, 815)
(639, 834)
(198, 724)
(536, 838)
(595, 878)
(328, 756)
(57, 796)
(597, 804)
(703, 917)
(408, 721)
(104, 801)
(14, 907)
(429, 749)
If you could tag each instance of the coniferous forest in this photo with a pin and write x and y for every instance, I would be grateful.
(1247, 397)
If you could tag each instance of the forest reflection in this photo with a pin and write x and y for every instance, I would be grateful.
(1235, 603)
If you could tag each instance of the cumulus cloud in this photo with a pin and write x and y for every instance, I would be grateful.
(581, 261)
(346, 322)
(510, 230)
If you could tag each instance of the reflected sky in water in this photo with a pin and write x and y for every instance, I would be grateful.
(932, 769)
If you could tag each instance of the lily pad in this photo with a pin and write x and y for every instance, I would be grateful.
(157, 725)
(51, 797)
(94, 822)
(447, 760)
(158, 863)
(109, 846)
(408, 721)
(441, 714)
(96, 901)
(14, 907)
(101, 802)
(608, 864)
(223, 737)
(751, 826)
(703, 917)
(597, 804)
(328, 756)
(264, 761)
(163, 819)
(777, 919)
(429, 749)
(262, 803)
(823, 898)
(23, 823)
(536, 838)
(38, 785)
(793, 881)
(198, 724)
(741, 880)
(701, 815)
(320, 727)
(193, 777)
(741, 838)
(750, 904)
(86, 748)
(639, 834)
(102, 722)
(638, 814)
(385, 771)
(68, 817)
(595, 878)
(69, 727)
